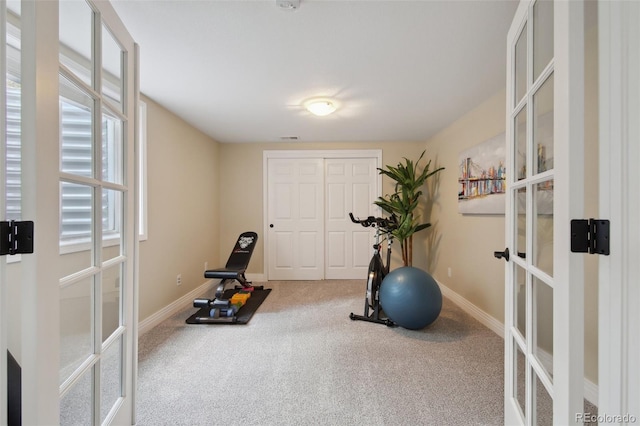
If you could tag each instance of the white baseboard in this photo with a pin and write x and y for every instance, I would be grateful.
(591, 392)
(256, 277)
(169, 310)
(484, 318)
(590, 388)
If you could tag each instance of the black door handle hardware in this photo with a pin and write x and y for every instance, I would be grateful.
(271, 225)
(502, 254)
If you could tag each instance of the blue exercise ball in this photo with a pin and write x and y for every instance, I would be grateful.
(410, 297)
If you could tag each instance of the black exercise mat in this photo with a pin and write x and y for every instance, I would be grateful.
(244, 314)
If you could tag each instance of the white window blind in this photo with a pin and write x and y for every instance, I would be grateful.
(76, 158)
(13, 171)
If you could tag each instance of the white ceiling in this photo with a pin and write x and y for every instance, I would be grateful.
(240, 70)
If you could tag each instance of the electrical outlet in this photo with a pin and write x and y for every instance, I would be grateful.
(206, 266)
(179, 279)
(449, 272)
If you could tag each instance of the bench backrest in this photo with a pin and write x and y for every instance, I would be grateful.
(242, 251)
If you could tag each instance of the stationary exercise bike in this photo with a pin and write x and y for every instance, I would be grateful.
(377, 269)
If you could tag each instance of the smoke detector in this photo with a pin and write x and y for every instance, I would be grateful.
(288, 4)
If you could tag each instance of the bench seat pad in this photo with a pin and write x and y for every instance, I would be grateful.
(224, 274)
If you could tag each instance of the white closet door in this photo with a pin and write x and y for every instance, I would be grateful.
(308, 196)
(350, 188)
(296, 219)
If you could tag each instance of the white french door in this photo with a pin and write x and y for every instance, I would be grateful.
(543, 294)
(98, 229)
(77, 136)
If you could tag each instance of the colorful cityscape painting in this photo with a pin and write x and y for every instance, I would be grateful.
(482, 178)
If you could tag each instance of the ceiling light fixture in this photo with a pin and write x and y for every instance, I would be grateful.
(320, 106)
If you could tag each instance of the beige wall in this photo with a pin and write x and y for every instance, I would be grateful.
(241, 186)
(465, 243)
(184, 206)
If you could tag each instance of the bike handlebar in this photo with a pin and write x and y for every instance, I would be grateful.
(388, 224)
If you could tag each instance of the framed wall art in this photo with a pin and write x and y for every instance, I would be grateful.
(482, 177)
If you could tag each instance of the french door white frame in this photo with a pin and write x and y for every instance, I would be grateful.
(40, 168)
(40, 307)
(568, 309)
(271, 154)
(566, 390)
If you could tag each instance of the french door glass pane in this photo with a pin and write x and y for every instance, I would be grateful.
(520, 75)
(76, 225)
(76, 112)
(111, 69)
(543, 126)
(520, 305)
(13, 120)
(76, 322)
(543, 323)
(13, 155)
(111, 280)
(76, 406)
(543, 405)
(542, 36)
(543, 226)
(520, 368)
(521, 221)
(14, 6)
(112, 216)
(76, 52)
(112, 148)
(110, 377)
(520, 151)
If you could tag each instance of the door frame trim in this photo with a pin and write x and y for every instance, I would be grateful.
(4, 331)
(301, 154)
(619, 62)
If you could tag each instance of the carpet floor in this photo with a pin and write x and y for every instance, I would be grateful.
(302, 361)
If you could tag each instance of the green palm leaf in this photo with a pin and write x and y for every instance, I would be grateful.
(405, 200)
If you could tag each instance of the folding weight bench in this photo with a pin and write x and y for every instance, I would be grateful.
(224, 310)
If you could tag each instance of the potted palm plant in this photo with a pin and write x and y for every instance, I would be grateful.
(405, 200)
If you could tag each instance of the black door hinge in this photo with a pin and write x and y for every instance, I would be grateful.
(16, 237)
(590, 236)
